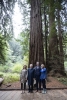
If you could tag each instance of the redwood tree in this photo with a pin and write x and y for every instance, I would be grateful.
(53, 41)
(61, 54)
(54, 56)
(36, 52)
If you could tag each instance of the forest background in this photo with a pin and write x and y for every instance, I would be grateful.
(14, 52)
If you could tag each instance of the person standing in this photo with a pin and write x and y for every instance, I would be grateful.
(23, 78)
(37, 73)
(30, 78)
(43, 77)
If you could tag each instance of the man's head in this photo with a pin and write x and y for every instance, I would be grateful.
(31, 65)
(37, 63)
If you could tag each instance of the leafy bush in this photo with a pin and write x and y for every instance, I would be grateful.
(1, 68)
(12, 71)
(3, 49)
(17, 68)
(4, 68)
(65, 64)
(9, 77)
(25, 60)
(63, 80)
(1, 75)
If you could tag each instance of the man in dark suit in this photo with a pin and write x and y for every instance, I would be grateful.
(37, 72)
(30, 78)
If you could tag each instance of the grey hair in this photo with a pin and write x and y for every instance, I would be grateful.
(31, 64)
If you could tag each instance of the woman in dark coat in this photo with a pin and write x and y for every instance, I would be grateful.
(30, 78)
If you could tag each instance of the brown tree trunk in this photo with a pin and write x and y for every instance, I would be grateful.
(56, 68)
(53, 41)
(46, 33)
(36, 52)
(61, 55)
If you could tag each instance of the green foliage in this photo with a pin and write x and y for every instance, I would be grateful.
(1, 75)
(3, 49)
(16, 68)
(25, 60)
(1, 68)
(10, 77)
(6, 18)
(65, 45)
(15, 52)
(63, 80)
(28, 1)
(13, 72)
(65, 63)
(24, 41)
(4, 68)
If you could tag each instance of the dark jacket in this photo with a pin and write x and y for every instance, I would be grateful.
(37, 72)
(30, 76)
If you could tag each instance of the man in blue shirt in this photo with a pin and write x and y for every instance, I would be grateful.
(37, 72)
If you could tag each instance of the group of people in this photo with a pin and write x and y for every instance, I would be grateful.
(37, 73)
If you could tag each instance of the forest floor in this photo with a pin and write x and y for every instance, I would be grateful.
(52, 83)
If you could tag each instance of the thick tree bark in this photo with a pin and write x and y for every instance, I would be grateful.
(61, 55)
(36, 52)
(56, 68)
(53, 41)
(46, 33)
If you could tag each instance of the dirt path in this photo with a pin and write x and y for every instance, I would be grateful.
(52, 83)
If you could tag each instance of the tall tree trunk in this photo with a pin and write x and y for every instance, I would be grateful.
(36, 52)
(61, 55)
(46, 33)
(53, 41)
